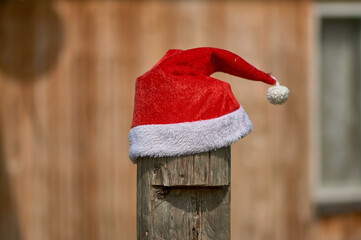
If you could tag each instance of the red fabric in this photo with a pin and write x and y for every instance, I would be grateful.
(179, 87)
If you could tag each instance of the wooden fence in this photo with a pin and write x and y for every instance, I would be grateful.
(67, 74)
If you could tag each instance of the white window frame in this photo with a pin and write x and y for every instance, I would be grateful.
(331, 195)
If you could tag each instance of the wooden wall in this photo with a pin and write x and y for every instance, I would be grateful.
(67, 74)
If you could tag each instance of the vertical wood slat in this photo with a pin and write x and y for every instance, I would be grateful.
(185, 197)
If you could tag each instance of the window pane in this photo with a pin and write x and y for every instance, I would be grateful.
(340, 103)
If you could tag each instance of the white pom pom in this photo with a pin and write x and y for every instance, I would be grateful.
(277, 94)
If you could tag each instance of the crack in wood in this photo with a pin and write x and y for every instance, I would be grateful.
(197, 225)
(162, 192)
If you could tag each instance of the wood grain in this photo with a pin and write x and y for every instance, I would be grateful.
(185, 197)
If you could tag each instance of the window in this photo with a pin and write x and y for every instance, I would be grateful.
(339, 107)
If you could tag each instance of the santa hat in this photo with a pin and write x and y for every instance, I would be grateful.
(179, 109)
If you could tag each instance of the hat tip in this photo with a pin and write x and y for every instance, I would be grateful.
(277, 95)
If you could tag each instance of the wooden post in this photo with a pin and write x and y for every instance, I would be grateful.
(183, 198)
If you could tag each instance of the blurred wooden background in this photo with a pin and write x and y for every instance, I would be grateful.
(67, 74)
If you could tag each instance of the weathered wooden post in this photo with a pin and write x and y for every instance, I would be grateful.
(187, 197)
(179, 110)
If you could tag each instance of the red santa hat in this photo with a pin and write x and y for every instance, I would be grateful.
(179, 109)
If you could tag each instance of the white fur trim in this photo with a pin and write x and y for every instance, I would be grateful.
(160, 140)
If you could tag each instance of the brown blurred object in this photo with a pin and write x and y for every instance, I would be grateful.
(339, 227)
(67, 75)
(31, 40)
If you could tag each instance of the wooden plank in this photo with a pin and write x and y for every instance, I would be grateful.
(176, 198)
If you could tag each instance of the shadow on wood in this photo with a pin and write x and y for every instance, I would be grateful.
(9, 223)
